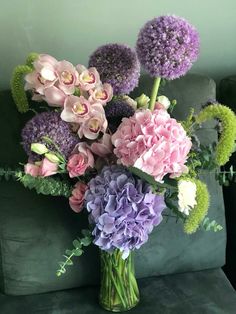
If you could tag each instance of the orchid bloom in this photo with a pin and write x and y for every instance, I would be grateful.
(67, 75)
(101, 94)
(87, 78)
(43, 76)
(76, 109)
(96, 123)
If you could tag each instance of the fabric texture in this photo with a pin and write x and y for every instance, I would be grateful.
(36, 230)
(204, 292)
(227, 90)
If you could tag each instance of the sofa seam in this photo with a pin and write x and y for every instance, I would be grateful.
(1, 266)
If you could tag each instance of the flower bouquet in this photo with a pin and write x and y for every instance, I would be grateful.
(122, 160)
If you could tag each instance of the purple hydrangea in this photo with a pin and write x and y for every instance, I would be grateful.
(117, 65)
(48, 124)
(122, 209)
(167, 46)
(115, 111)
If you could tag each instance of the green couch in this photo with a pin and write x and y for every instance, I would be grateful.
(227, 95)
(176, 273)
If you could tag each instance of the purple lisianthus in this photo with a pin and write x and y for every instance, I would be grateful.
(122, 209)
(117, 65)
(115, 111)
(167, 46)
(48, 124)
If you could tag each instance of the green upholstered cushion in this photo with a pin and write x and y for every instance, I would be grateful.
(228, 96)
(206, 292)
(35, 230)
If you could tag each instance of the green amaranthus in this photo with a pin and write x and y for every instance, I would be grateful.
(226, 144)
(198, 213)
(17, 83)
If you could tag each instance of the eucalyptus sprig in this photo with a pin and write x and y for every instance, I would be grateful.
(209, 225)
(76, 251)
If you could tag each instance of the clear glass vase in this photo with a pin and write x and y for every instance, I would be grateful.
(119, 290)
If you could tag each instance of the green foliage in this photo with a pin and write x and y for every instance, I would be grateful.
(193, 163)
(86, 240)
(197, 214)
(8, 174)
(225, 177)
(226, 144)
(209, 225)
(189, 122)
(206, 156)
(46, 185)
(169, 183)
(17, 87)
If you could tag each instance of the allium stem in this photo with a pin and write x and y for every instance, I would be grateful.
(155, 89)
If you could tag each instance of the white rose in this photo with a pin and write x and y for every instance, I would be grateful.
(186, 196)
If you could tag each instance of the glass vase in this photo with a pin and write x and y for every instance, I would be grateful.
(119, 290)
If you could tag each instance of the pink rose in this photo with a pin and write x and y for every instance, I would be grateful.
(47, 168)
(79, 162)
(77, 199)
(32, 169)
(103, 147)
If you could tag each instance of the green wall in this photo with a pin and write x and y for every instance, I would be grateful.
(72, 29)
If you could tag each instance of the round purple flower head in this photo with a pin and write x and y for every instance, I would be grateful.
(117, 65)
(122, 209)
(48, 124)
(115, 111)
(167, 46)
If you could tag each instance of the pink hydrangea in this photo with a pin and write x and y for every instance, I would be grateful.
(153, 142)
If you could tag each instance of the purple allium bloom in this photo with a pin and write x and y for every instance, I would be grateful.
(115, 111)
(167, 46)
(122, 209)
(117, 65)
(48, 124)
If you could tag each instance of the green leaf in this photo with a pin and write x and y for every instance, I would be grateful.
(169, 183)
(211, 225)
(78, 252)
(86, 232)
(76, 243)
(69, 262)
(86, 241)
(46, 185)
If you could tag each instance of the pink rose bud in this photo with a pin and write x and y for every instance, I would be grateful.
(48, 168)
(32, 169)
(79, 162)
(77, 199)
(162, 103)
